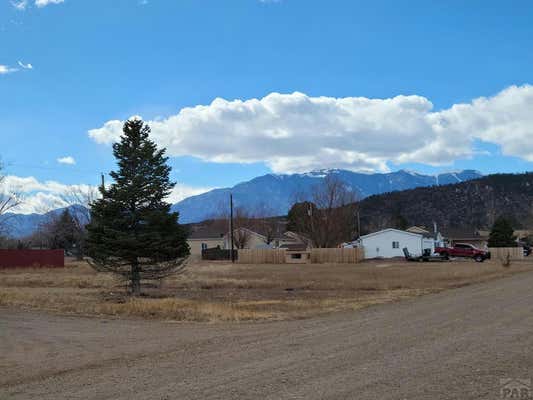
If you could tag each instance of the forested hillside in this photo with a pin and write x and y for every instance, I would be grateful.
(464, 206)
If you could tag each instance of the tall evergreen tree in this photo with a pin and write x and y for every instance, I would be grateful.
(132, 231)
(502, 234)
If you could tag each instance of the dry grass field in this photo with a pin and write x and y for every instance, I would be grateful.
(224, 292)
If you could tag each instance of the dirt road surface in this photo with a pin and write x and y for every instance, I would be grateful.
(457, 344)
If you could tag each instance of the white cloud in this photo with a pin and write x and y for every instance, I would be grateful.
(69, 160)
(295, 132)
(40, 197)
(504, 119)
(181, 192)
(5, 69)
(24, 66)
(39, 203)
(107, 134)
(44, 3)
(20, 5)
(23, 4)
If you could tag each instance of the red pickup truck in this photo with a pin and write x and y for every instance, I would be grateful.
(463, 250)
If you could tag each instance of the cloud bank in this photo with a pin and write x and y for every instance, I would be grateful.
(41, 197)
(38, 197)
(295, 132)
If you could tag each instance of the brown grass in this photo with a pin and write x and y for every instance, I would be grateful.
(225, 292)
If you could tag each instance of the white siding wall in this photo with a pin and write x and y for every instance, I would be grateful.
(428, 243)
(380, 244)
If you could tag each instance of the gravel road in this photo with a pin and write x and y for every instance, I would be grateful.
(456, 344)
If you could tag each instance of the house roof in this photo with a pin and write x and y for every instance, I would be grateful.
(293, 237)
(417, 229)
(390, 230)
(206, 232)
(251, 232)
(294, 246)
(458, 234)
(522, 233)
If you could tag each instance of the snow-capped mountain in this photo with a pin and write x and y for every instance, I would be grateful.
(274, 194)
(269, 195)
(23, 225)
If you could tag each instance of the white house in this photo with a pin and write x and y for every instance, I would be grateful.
(390, 243)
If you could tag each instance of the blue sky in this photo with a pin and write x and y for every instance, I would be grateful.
(95, 61)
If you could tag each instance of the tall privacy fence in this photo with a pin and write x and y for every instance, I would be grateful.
(342, 256)
(261, 256)
(501, 253)
(217, 253)
(32, 258)
(315, 256)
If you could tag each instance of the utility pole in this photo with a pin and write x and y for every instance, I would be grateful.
(103, 181)
(314, 235)
(231, 226)
(358, 224)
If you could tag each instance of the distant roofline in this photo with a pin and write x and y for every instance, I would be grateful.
(391, 230)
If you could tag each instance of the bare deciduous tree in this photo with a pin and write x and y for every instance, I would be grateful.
(265, 224)
(81, 196)
(79, 200)
(9, 199)
(330, 218)
(245, 221)
(242, 226)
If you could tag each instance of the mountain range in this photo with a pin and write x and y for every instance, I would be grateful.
(271, 194)
(23, 225)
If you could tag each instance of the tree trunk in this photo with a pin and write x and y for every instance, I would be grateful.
(79, 252)
(135, 279)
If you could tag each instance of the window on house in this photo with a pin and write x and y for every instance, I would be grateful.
(395, 245)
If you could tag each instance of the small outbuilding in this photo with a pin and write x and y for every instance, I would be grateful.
(389, 243)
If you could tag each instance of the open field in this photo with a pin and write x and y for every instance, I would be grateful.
(224, 292)
(456, 344)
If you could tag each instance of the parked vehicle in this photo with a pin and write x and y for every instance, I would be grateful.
(464, 250)
(426, 256)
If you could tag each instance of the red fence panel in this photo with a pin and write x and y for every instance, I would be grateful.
(32, 258)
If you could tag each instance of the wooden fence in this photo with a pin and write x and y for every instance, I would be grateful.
(216, 253)
(339, 256)
(261, 256)
(318, 256)
(500, 253)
